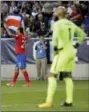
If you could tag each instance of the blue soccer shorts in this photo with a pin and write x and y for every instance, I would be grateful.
(20, 61)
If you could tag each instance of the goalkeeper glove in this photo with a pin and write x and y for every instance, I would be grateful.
(76, 45)
(55, 50)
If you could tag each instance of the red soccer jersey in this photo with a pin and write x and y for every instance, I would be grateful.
(20, 44)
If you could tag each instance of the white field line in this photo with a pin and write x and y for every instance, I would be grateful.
(17, 105)
(40, 90)
(35, 105)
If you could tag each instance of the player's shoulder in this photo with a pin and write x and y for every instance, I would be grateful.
(17, 36)
(64, 21)
(56, 24)
(21, 36)
(68, 22)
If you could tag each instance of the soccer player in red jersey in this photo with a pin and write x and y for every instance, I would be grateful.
(20, 56)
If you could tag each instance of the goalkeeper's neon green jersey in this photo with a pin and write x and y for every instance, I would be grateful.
(63, 33)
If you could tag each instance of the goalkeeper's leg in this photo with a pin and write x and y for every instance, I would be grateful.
(69, 89)
(52, 84)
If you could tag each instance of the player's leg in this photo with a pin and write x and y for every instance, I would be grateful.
(15, 75)
(69, 88)
(16, 70)
(12, 83)
(26, 76)
(65, 62)
(69, 67)
(52, 84)
(23, 69)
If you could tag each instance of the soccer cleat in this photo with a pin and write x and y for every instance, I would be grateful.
(45, 105)
(28, 84)
(66, 104)
(12, 84)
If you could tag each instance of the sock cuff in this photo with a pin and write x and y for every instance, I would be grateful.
(16, 72)
(25, 71)
(51, 78)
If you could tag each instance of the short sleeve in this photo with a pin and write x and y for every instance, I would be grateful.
(17, 36)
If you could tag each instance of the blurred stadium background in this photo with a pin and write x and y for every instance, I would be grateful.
(36, 14)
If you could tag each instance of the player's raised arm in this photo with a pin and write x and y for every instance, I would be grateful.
(9, 32)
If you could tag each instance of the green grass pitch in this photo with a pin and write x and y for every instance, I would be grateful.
(22, 98)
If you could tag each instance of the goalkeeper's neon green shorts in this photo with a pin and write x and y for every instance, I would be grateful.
(64, 61)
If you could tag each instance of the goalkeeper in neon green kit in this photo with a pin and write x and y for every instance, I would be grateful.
(64, 59)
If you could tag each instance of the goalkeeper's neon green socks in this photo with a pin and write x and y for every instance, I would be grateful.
(52, 84)
(69, 90)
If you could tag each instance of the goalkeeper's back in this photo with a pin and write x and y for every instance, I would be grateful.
(63, 33)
